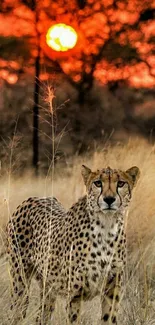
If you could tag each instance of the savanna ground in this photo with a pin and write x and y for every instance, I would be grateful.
(138, 303)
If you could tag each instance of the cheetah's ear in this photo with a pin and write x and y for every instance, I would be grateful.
(134, 173)
(85, 173)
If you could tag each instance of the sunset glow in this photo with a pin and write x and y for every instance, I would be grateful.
(75, 44)
(61, 37)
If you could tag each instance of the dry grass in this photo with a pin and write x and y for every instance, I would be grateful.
(138, 305)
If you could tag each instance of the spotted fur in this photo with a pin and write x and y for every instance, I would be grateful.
(78, 254)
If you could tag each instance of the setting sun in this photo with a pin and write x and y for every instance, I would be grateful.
(61, 37)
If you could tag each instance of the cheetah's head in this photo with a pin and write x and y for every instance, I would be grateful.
(110, 190)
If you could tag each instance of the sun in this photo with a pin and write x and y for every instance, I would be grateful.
(61, 37)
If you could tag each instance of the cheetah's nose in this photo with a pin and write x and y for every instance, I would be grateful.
(109, 200)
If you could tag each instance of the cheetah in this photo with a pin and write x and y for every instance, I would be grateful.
(78, 254)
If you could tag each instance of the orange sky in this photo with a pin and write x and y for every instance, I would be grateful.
(20, 23)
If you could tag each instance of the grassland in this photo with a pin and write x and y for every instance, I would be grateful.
(138, 304)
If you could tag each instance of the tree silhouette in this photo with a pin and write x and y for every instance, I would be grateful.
(114, 37)
(115, 45)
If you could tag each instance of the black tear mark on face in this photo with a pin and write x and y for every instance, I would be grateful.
(120, 184)
(119, 196)
(100, 186)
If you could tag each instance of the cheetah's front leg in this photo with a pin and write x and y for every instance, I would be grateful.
(47, 305)
(73, 310)
(110, 300)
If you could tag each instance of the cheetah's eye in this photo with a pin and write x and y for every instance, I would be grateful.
(120, 183)
(98, 183)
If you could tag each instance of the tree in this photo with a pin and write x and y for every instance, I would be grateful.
(115, 45)
(116, 38)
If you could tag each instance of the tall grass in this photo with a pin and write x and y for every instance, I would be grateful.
(138, 304)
